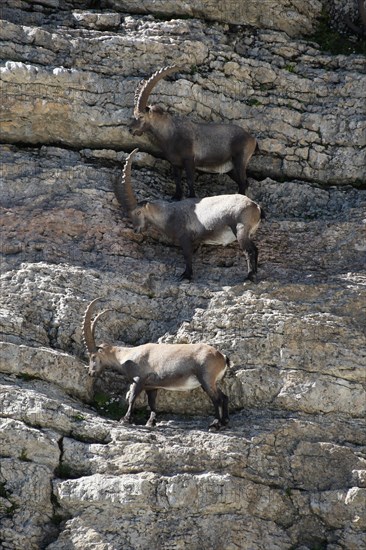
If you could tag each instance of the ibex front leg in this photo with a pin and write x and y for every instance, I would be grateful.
(132, 394)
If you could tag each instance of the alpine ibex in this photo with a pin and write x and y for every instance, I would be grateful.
(209, 147)
(211, 220)
(177, 367)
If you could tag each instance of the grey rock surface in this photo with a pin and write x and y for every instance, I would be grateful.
(74, 87)
(290, 470)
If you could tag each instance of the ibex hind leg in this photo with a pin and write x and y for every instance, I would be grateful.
(151, 399)
(223, 419)
(189, 170)
(239, 172)
(240, 179)
(187, 248)
(251, 253)
(244, 150)
(177, 175)
(225, 408)
(216, 397)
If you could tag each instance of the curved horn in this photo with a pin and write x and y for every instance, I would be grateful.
(93, 324)
(145, 87)
(88, 332)
(136, 96)
(123, 188)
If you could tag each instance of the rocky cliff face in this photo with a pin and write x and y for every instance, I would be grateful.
(290, 471)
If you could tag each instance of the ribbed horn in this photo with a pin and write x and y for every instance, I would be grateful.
(123, 188)
(88, 332)
(145, 87)
(93, 324)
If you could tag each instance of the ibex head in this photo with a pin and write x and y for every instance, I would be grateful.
(127, 199)
(146, 116)
(97, 354)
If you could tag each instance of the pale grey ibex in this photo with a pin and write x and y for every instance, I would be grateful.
(209, 147)
(149, 367)
(211, 220)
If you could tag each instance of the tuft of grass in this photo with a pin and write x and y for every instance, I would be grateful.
(331, 41)
(108, 407)
(290, 68)
(23, 456)
(78, 417)
(253, 102)
(4, 493)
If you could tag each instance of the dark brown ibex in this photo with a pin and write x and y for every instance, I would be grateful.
(211, 220)
(362, 12)
(177, 367)
(209, 147)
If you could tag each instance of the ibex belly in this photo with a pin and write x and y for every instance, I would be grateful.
(223, 168)
(223, 237)
(186, 384)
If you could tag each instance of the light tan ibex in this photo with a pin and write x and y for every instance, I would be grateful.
(209, 147)
(149, 367)
(211, 220)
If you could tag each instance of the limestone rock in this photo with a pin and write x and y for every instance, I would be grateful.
(290, 470)
(295, 18)
(307, 109)
(26, 505)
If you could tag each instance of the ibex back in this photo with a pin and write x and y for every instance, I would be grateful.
(209, 147)
(212, 220)
(149, 367)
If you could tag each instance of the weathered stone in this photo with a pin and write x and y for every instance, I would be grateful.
(293, 17)
(29, 444)
(205, 495)
(45, 364)
(44, 406)
(289, 471)
(26, 510)
(77, 90)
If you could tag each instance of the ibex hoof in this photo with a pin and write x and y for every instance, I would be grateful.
(185, 277)
(252, 277)
(214, 426)
(149, 426)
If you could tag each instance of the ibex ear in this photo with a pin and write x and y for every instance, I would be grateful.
(157, 109)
